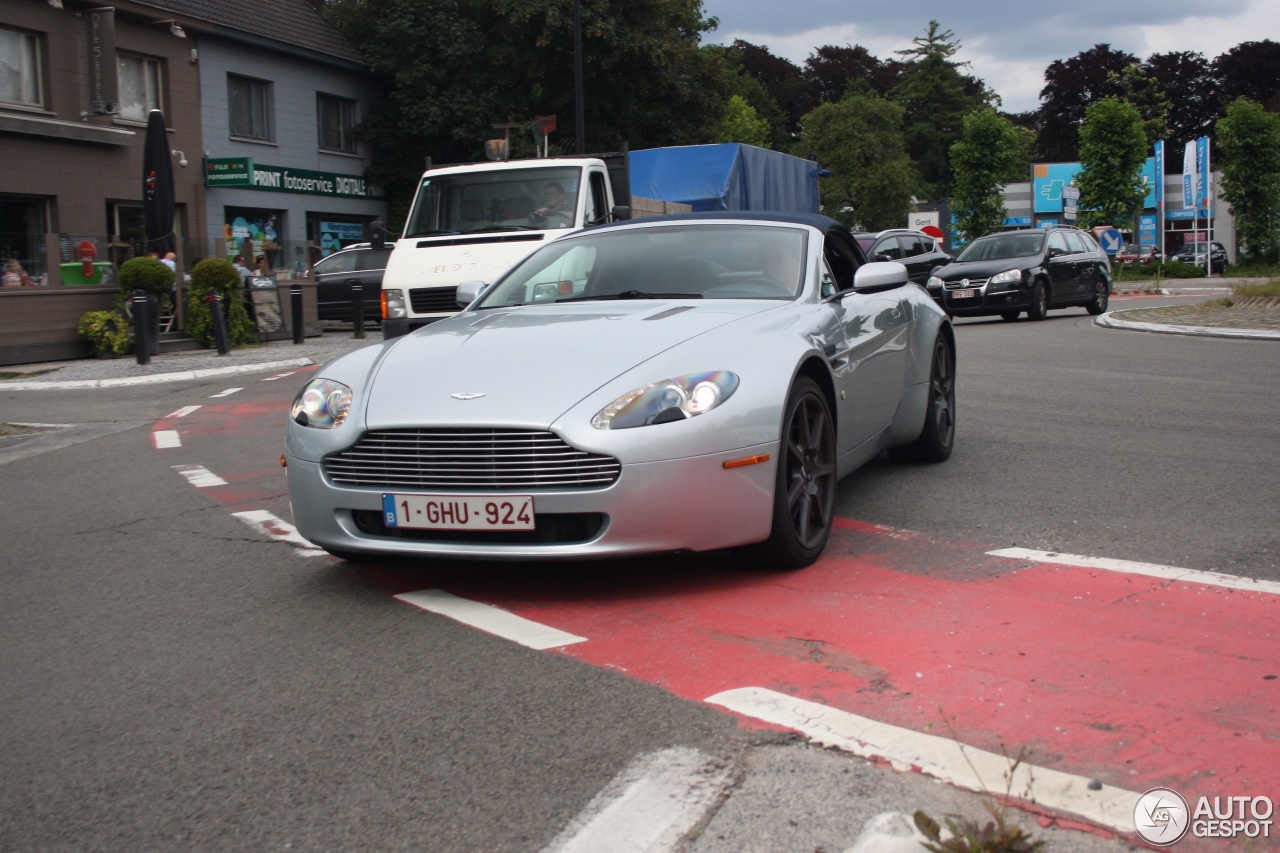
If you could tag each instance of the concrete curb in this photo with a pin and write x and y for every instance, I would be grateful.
(57, 385)
(1107, 321)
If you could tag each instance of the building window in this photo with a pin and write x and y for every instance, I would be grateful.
(337, 118)
(250, 102)
(20, 81)
(139, 86)
(22, 232)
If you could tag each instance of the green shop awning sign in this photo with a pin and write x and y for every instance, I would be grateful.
(243, 172)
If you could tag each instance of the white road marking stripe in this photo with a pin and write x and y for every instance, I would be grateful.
(490, 619)
(226, 393)
(1150, 569)
(278, 376)
(650, 806)
(166, 438)
(942, 758)
(183, 412)
(199, 476)
(269, 525)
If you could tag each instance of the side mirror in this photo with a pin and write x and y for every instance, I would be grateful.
(378, 235)
(468, 291)
(881, 275)
(621, 212)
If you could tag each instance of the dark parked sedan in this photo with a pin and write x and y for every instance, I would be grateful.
(1193, 253)
(1009, 272)
(915, 250)
(336, 274)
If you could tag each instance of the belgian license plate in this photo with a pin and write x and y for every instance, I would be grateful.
(964, 294)
(458, 512)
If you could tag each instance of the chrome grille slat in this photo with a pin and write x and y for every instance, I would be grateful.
(483, 459)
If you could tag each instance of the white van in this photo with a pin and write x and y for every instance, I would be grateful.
(472, 222)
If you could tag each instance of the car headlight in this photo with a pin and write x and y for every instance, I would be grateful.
(669, 400)
(393, 304)
(1007, 277)
(934, 282)
(322, 403)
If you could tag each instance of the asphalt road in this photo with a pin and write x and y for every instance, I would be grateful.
(176, 680)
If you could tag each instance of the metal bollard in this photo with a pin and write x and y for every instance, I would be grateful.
(141, 327)
(295, 308)
(219, 324)
(357, 308)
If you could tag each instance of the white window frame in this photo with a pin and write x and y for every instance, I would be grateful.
(259, 93)
(152, 73)
(345, 109)
(29, 71)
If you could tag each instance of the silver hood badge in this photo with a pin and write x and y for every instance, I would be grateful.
(467, 396)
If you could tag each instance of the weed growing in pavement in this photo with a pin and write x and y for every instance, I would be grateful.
(998, 835)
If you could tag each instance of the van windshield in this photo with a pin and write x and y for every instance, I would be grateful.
(489, 200)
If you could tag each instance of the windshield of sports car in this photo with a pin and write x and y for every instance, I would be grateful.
(489, 200)
(999, 247)
(677, 261)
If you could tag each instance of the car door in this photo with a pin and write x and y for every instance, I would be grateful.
(1083, 259)
(870, 361)
(1061, 263)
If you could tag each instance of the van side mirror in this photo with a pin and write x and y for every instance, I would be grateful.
(621, 212)
(378, 235)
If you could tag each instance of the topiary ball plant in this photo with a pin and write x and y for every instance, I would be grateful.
(107, 331)
(221, 277)
(146, 274)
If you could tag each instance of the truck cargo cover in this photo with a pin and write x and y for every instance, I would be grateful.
(729, 176)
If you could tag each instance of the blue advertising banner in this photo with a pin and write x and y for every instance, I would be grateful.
(1159, 173)
(1202, 170)
(1147, 230)
(1189, 177)
(1048, 180)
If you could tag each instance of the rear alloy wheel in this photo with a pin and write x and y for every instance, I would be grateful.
(804, 492)
(939, 434)
(1098, 305)
(1039, 307)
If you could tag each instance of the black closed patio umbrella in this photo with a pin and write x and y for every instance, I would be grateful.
(157, 187)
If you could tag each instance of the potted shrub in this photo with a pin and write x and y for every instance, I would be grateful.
(221, 277)
(107, 331)
(153, 278)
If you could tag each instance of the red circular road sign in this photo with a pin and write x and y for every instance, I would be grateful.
(933, 231)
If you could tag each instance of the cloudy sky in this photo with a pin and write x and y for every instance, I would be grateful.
(1007, 44)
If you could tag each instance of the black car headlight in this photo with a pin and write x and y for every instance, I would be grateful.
(1006, 280)
(670, 400)
(322, 404)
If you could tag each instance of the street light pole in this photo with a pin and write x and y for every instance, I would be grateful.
(577, 77)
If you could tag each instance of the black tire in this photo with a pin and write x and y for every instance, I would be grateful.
(1038, 308)
(804, 492)
(1009, 316)
(938, 437)
(1098, 304)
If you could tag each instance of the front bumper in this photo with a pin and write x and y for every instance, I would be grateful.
(692, 504)
(985, 300)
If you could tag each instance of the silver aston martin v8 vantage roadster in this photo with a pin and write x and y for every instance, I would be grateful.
(671, 384)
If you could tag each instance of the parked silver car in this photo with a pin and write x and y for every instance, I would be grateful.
(683, 383)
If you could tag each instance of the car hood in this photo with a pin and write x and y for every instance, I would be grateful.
(957, 270)
(525, 367)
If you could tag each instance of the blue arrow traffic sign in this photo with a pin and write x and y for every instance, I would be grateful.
(1111, 241)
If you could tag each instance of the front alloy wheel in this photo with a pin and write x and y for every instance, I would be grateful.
(805, 487)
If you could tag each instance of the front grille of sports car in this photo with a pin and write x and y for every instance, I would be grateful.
(433, 300)
(469, 458)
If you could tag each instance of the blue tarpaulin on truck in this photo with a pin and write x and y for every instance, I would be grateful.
(730, 176)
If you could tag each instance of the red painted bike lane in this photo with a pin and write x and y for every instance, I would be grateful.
(1134, 681)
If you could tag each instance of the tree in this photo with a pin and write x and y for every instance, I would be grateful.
(1249, 143)
(741, 124)
(935, 98)
(781, 78)
(1141, 91)
(1071, 86)
(1113, 150)
(742, 84)
(1250, 70)
(859, 141)
(830, 70)
(989, 150)
(1191, 91)
(451, 69)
